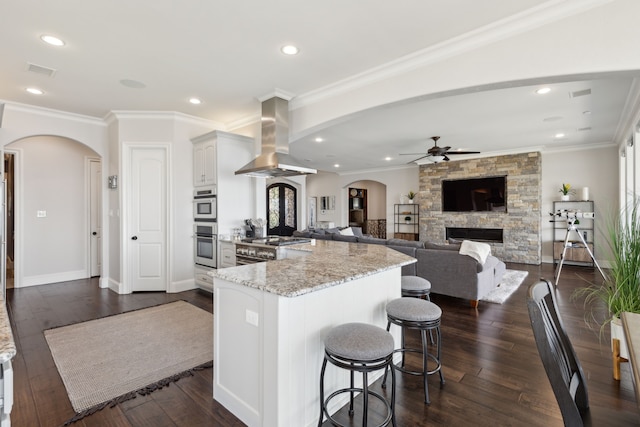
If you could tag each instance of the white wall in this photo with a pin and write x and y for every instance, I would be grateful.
(51, 177)
(155, 128)
(594, 168)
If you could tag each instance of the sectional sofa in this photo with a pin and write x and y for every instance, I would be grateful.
(449, 272)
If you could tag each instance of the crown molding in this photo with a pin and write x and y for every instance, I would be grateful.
(49, 112)
(161, 115)
(535, 17)
(630, 117)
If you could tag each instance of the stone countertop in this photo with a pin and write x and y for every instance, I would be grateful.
(324, 264)
(7, 345)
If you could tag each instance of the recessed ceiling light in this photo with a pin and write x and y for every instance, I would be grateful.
(34, 91)
(53, 41)
(559, 135)
(387, 158)
(543, 90)
(133, 84)
(195, 101)
(336, 165)
(319, 139)
(290, 49)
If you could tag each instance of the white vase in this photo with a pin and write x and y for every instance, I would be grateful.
(410, 200)
(617, 332)
(565, 197)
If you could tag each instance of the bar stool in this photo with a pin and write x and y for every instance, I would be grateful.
(416, 286)
(358, 347)
(415, 313)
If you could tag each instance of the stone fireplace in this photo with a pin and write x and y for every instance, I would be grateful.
(519, 227)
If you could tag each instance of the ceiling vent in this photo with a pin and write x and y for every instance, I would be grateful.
(584, 129)
(39, 69)
(578, 93)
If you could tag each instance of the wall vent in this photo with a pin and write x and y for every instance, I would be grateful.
(578, 93)
(40, 69)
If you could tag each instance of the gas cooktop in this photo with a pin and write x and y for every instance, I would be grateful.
(276, 240)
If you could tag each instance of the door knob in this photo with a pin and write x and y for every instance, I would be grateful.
(134, 238)
(94, 233)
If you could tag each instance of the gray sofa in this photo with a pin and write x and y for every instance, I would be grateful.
(449, 272)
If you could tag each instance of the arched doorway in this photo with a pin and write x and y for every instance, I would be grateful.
(282, 214)
(51, 198)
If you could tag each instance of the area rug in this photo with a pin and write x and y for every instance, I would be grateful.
(105, 361)
(508, 285)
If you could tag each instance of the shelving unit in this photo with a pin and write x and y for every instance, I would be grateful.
(576, 254)
(358, 208)
(406, 221)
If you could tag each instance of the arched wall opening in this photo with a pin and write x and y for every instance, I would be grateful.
(51, 196)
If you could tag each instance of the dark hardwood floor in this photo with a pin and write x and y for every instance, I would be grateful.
(493, 373)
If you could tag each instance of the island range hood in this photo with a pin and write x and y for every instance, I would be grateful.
(274, 159)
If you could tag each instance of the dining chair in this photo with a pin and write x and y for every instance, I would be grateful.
(558, 356)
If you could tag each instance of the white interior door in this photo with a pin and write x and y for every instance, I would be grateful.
(147, 225)
(95, 222)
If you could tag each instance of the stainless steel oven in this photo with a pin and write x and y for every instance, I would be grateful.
(205, 204)
(206, 244)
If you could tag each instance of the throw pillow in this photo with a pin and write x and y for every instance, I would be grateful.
(449, 247)
(334, 230)
(357, 231)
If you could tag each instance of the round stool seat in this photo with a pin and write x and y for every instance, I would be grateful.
(413, 309)
(359, 341)
(415, 284)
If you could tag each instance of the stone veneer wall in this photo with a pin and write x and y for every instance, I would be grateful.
(522, 221)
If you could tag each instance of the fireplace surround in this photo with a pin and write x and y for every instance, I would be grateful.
(520, 225)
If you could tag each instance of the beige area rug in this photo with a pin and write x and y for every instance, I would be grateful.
(511, 280)
(105, 361)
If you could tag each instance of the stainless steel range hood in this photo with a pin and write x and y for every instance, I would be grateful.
(274, 160)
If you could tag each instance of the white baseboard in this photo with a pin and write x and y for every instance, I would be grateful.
(181, 286)
(46, 279)
(114, 286)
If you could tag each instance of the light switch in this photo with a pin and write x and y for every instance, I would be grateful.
(41, 214)
(252, 317)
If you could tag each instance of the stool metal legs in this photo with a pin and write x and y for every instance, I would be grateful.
(364, 368)
(423, 327)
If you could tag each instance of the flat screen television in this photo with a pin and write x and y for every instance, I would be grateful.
(486, 194)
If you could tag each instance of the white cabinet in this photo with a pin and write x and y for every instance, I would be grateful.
(217, 155)
(227, 254)
(204, 163)
(203, 280)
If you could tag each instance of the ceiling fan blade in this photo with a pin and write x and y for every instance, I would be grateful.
(463, 152)
(410, 154)
(446, 159)
(419, 158)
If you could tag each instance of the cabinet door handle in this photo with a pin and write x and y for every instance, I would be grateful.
(94, 233)
(134, 238)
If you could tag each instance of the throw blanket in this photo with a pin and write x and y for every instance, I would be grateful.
(477, 250)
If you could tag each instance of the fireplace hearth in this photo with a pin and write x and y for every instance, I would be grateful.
(491, 235)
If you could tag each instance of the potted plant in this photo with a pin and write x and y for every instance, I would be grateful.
(620, 289)
(411, 195)
(566, 191)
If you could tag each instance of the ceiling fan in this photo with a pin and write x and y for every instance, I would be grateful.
(437, 154)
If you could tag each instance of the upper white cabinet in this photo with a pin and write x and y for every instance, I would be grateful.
(204, 163)
(217, 155)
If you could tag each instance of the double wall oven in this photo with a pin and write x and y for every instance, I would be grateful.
(205, 227)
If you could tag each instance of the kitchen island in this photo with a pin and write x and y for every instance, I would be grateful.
(270, 320)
